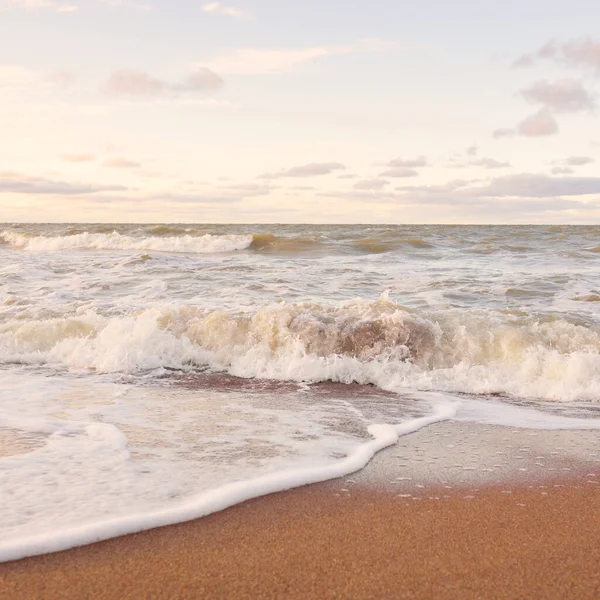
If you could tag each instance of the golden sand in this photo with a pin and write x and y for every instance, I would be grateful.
(537, 542)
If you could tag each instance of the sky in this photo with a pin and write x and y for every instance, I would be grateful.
(281, 111)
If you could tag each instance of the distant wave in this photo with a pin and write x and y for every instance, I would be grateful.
(167, 238)
(378, 342)
(268, 241)
(115, 241)
(163, 238)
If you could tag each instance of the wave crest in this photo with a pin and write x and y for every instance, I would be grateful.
(378, 342)
(206, 243)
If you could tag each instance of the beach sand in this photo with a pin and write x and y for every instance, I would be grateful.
(508, 532)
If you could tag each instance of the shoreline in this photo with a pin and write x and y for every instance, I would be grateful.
(428, 517)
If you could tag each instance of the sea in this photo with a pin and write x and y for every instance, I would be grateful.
(151, 374)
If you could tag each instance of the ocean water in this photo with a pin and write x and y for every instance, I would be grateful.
(154, 373)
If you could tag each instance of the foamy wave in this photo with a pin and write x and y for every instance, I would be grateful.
(115, 241)
(377, 342)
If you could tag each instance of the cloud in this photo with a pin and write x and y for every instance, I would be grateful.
(565, 95)
(577, 161)
(370, 184)
(54, 5)
(489, 163)
(121, 163)
(129, 82)
(484, 162)
(246, 190)
(78, 158)
(309, 170)
(258, 61)
(529, 185)
(450, 186)
(565, 168)
(521, 185)
(201, 80)
(420, 161)
(500, 133)
(17, 183)
(542, 123)
(451, 203)
(561, 171)
(399, 172)
(134, 83)
(216, 8)
(582, 53)
(191, 198)
(526, 60)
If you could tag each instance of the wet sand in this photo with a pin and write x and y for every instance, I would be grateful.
(312, 543)
(453, 511)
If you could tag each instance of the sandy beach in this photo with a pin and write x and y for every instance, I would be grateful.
(312, 543)
(378, 534)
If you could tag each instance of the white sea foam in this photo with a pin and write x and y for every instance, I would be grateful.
(215, 499)
(378, 342)
(115, 241)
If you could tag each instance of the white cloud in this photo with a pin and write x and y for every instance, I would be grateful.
(542, 123)
(582, 53)
(577, 161)
(411, 163)
(370, 184)
(134, 83)
(521, 185)
(217, 8)
(309, 170)
(256, 61)
(18, 183)
(484, 162)
(561, 171)
(122, 163)
(500, 133)
(78, 158)
(246, 190)
(201, 80)
(489, 163)
(565, 95)
(129, 82)
(530, 185)
(399, 172)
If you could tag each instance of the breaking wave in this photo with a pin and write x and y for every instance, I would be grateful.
(268, 241)
(369, 342)
(166, 238)
(206, 243)
(163, 239)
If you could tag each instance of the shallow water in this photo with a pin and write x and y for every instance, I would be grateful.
(147, 367)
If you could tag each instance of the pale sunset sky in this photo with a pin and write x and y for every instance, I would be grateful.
(248, 111)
